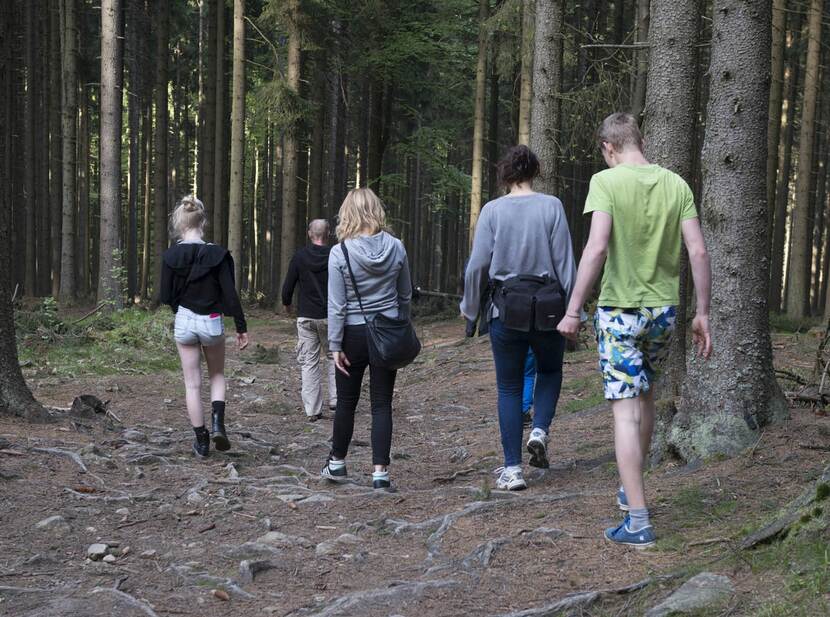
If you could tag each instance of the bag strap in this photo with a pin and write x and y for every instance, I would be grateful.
(354, 281)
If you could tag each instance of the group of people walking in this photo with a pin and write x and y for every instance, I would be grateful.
(521, 286)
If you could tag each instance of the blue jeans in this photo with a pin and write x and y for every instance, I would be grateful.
(530, 382)
(510, 349)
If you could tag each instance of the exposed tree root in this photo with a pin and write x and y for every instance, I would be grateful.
(128, 599)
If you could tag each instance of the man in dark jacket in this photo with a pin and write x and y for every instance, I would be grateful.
(309, 269)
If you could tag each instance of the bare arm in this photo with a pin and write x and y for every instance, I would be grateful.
(593, 258)
(702, 275)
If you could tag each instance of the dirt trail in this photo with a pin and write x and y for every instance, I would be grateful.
(257, 523)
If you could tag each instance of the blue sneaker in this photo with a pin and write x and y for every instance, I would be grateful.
(622, 535)
(622, 501)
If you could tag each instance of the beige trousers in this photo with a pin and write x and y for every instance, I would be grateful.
(312, 335)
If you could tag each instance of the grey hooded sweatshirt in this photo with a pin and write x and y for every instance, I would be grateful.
(381, 270)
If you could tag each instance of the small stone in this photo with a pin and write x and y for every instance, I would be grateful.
(317, 498)
(277, 538)
(96, 551)
(122, 512)
(233, 474)
(700, 592)
(108, 558)
(337, 545)
(194, 497)
(164, 508)
(167, 401)
(125, 551)
(248, 569)
(148, 554)
(134, 435)
(54, 524)
(220, 594)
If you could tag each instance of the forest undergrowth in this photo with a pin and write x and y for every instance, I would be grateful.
(254, 531)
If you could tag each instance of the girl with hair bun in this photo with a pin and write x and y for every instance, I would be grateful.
(520, 274)
(197, 281)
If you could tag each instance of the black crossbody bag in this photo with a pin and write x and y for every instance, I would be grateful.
(393, 343)
(528, 302)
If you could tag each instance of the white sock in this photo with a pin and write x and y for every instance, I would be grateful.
(380, 475)
(335, 464)
(513, 468)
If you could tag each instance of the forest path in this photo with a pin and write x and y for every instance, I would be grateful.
(259, 526)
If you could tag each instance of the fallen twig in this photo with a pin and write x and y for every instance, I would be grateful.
(811, 446)
(709, 541)
(90, 314)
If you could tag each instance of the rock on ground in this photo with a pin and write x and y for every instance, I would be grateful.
(699, 592)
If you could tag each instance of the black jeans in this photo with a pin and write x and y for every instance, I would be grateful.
(381, 388)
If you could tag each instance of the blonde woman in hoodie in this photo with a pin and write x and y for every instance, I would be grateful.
(381, 271)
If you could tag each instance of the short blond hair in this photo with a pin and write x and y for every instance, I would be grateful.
(362, 211)
(189, 214)
(620, 130)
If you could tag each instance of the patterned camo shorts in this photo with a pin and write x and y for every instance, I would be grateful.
(632, 344)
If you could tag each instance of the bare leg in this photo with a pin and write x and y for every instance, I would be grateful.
(215, 358)
(627, 442)
(191, 357)
(647, 413)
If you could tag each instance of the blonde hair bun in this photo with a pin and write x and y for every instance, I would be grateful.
(189, 214)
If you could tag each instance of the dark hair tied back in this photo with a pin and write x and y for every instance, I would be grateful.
(520, 164)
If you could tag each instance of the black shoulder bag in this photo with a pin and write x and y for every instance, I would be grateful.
(528, 302)
(393, 343)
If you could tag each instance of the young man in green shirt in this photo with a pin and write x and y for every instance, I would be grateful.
(640, 213)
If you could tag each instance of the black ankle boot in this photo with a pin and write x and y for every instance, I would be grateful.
(220, 438)
(201, 447)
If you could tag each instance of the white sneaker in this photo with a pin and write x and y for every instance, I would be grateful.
(511, 479)
(537, 445)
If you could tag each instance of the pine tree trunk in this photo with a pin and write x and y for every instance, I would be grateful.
(70, 136)
(146, 225)
(671, 123)
(134, 167)
(288, 232)
(160, 177)
(729, 398)
(782, 191)
(220, 189)
(493, 125)
(30, 165)
(82, 253)
(779, 32)
(527, 73)
(638, 99)
(799, 261)
(547, 80)
(237, 139)
(478, 120)
(109, 265)
(55, 146)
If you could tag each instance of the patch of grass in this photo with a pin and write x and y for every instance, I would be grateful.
(583, 403)
(132, 341)
(780, 322)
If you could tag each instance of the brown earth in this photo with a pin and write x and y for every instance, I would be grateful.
(445, 543)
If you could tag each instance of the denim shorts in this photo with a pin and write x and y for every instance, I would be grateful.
(632, 344)
(193, 329)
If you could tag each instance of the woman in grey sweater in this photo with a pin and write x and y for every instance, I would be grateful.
(521, 233)
(381, 271)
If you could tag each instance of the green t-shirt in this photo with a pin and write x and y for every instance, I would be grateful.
(647, 204)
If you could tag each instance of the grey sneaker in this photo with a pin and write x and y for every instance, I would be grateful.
(537, 445)
(511, 479)
(334, 475)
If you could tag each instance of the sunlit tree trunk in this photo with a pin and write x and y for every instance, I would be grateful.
(478, 119)
(161, 25)
(527, 74)
(798, 264)
(638, 98)
(220, 189)
(237, 139)
(109, 266)
(289, 163)
(779, 32)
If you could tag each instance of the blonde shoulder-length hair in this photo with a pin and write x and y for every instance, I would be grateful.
(361, 212)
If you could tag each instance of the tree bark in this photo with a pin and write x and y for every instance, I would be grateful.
(527, 72)
(82, 255)
(478, 121)
(782, 191)
(55, 146)
(288, 231)
(638, 98)
(237, 139)
(160, 175)
(220, 188)
(315, 166)
(729, 398)
(207, 139)
(134, 166)
(147, 154)
(798, 265)
(671, 123)
(70, 137)
(109, 266)
(546, 117)
(30, 165)
(779, 32)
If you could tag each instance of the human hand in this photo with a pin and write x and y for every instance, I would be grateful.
(569, 327)
(701, 337)
(341, 362)
(241, 340)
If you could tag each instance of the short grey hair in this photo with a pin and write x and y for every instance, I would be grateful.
(319, 229)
